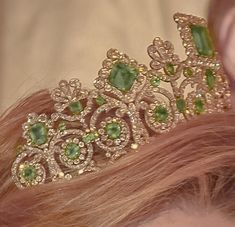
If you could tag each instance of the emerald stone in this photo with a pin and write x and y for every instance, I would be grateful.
(122, 77)
(155, 81)
(202, 40)
(199, 105)
(113, 130)
(161, 114)
(75, 107)
(89, 137)
(181, 105)
(38, 133)
(72, 151)
(169, 69)
(29, 172)
(210, 79)
(100, 100)
(62, 126)
(188, 72)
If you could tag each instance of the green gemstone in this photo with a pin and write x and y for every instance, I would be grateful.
(100, 100)
(169, 69)
(161, 114)
(155, 81)
(122, 77)
(62, 126)
(181, 105)
(38, 133)
(89, 137)
(113, 130)
(199, 105)
(188, 72)
(75, 107)
(72, 151)
(202, 40)
(29, 172)
(210, 79)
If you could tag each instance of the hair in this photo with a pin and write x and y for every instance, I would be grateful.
(194, 163)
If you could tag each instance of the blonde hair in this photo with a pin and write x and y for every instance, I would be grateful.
(195, 162)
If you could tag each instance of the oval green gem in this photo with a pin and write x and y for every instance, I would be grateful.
(181, 105)
(75, 107)
(161, 114)
(38, 133)
(113, 130)
(72, 151)
(169, 69)
(155, 81)
(199, 105)
(122, 76)
(100, 100)
(29, 172)
(210, 78)
(62, 126)
(202, 40)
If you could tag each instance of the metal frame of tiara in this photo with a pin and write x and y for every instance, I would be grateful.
(129, 104)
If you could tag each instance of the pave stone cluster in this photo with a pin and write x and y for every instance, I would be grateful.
(128, 104)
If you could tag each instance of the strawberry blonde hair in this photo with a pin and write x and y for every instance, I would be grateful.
(194, 163)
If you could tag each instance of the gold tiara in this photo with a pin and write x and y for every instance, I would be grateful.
(91, 128)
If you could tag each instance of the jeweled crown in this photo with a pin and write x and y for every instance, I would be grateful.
(129, 104)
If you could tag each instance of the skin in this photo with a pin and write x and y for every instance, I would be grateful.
(179, 218)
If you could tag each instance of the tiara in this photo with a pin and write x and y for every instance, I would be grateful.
(89, 129)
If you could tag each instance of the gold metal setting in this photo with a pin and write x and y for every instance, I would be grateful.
(130, 103)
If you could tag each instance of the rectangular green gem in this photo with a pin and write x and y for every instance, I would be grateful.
(202, 40)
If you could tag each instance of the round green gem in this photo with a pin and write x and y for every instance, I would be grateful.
(199, 105)
(155, 81)
(100, 100)
(161, 114)
(113, 130)
(188, 72)
(210, 78)
(181, 105)
(75, 107)
(122, 76)
(29, 173)
(72, 151)
(169, 69)
(38, 133)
